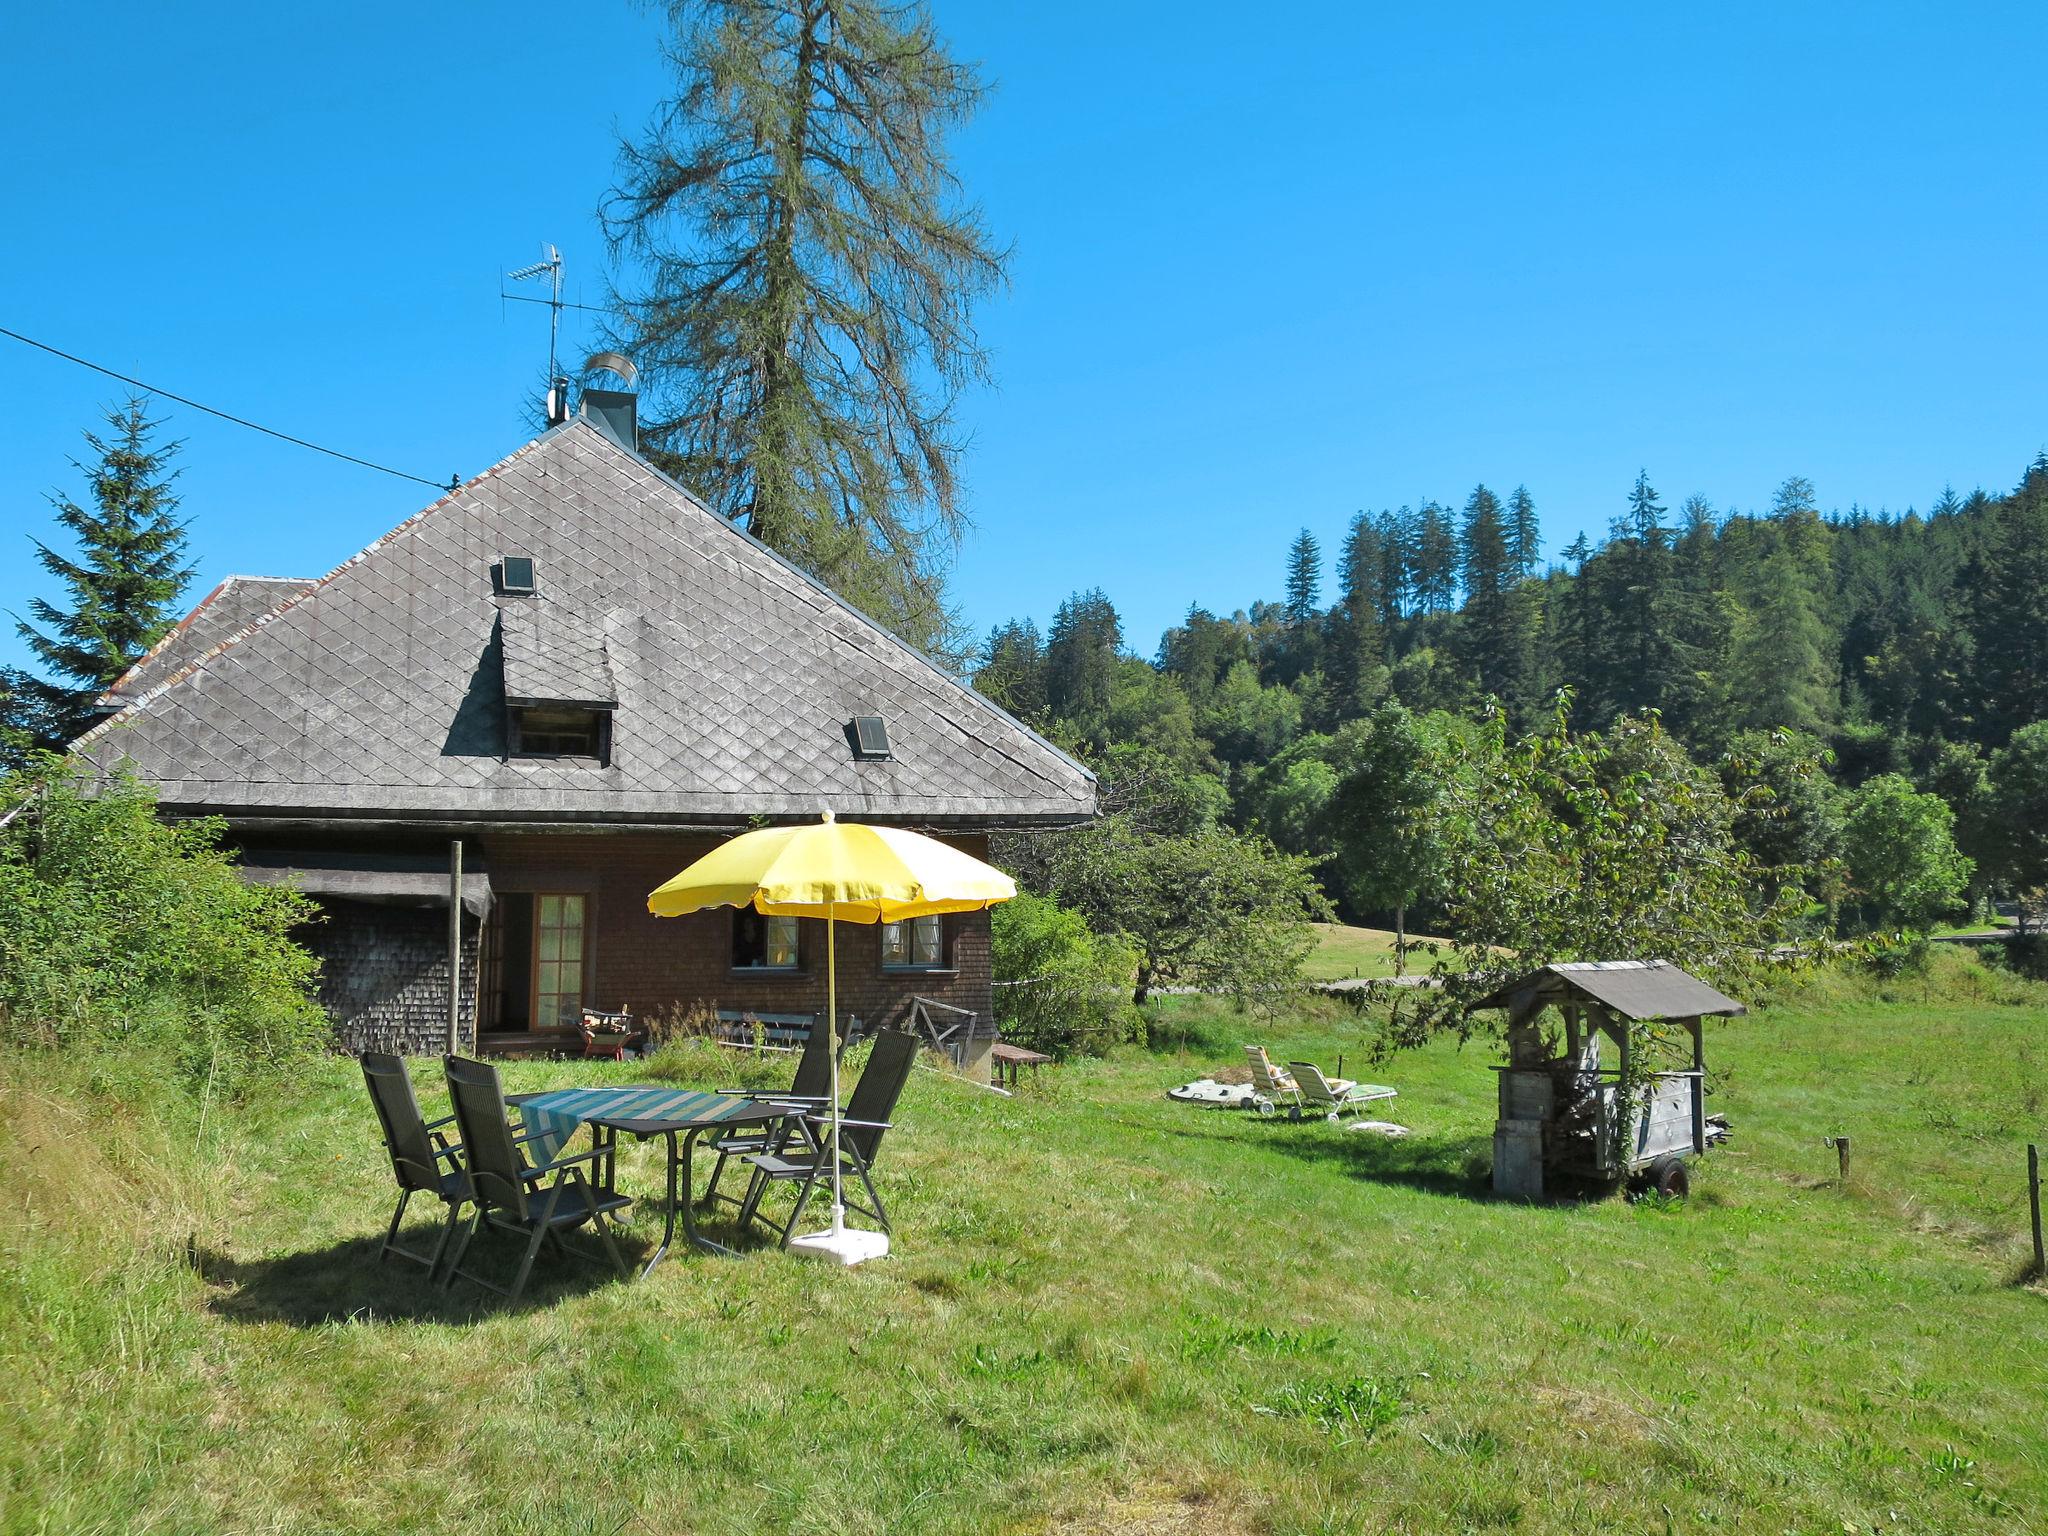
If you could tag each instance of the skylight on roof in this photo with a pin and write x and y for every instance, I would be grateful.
(870, 736)
(515, 574)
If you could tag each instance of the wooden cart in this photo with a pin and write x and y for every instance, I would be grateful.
(1561, 1108)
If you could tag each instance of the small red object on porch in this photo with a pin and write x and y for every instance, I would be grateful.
(608, 1034)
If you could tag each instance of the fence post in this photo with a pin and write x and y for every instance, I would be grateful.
(2034, 1205)
(1841, 1146)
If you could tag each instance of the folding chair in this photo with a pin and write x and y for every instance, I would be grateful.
(509, 1195)
(417, 1150)
(861, 1128)
(1334, 1095)
(809, 1089)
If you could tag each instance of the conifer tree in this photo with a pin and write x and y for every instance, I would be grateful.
(1524, 534)
(1081, 650)
(1494, 644)
(1436, 561)
(1397, 570)
(1012, 672)
(120, 588)
(2011, 617)
(1304, 579)
(807, 272)
(1781, 664)
(1361, 649)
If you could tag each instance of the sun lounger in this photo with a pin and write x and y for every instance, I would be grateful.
(1333, 1096)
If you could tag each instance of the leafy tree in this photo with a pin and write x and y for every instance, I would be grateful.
(1788, 812)
(121, 589)
(1247, 721)
(1898, 846)
(1060, 986)
(123, 929)
(2018, 820)
(1387, 822)
(808, 274)
(1580, 846)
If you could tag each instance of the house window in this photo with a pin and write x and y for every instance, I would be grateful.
(918, 944)
(558, 732)
(762, 943)
(557, 961)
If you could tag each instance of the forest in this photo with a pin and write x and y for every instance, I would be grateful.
(1870, 689)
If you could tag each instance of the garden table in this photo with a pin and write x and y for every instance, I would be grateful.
(680, 1115)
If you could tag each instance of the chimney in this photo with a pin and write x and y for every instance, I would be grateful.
(614, 412)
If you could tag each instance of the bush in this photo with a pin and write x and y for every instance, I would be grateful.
(1060, 987)
(119, 929)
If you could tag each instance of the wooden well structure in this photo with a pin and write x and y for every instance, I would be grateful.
(1561, 1111)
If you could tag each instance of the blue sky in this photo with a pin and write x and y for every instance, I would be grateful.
(1272, 264)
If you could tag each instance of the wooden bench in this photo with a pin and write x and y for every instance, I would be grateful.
(1007, 1059)
(747, 1030)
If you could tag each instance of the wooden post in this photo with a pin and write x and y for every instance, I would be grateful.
(2034, 1204)
(1841, 1146)
(455, 947)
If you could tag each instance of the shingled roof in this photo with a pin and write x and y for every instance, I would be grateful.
(379, 692)
(224, 612)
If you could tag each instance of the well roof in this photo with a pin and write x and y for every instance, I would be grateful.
(379, 691)
(1636, 989)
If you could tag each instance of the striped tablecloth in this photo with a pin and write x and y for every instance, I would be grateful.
(554, 1117)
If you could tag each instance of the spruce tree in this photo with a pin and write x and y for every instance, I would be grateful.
(1397, 570)
(1012, 672)
(806, 274)
(1436, 561)
(1493, 644)
(2011, 612)
(1081, 650)
(1360, 651)
(121, 588)
(1304, 579)
(1524, 534)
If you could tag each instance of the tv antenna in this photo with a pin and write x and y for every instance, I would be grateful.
(550, 267)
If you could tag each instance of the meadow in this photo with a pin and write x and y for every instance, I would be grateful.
(1107, 1313)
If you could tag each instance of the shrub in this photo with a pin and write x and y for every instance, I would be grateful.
(1060, 987)
(121, 929)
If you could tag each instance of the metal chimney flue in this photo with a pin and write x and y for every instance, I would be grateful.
(614, 412)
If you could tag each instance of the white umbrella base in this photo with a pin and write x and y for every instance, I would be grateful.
(848, 1245)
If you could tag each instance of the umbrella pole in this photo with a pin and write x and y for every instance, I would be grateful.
(832, 1024)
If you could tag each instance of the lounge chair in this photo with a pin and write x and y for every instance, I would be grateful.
(809, 1089)
(1271, 1087)
(423, 1160)
(539, 1203)
(861, 1129)
(1334, 1095)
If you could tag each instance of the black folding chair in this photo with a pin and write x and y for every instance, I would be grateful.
(509, 1195)
(418, 1153)
(810, 1089)
(861, 1129)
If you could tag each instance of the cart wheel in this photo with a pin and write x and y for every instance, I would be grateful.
(1294, 1111)
(1333, 1117)
(1266, 1107)
(1670, 1178)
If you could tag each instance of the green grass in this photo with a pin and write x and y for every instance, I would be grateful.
(1107, 1313)
(1342, 951)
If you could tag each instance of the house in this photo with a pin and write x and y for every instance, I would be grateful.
(583, 677)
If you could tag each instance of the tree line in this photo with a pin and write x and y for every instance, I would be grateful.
(1869, 690)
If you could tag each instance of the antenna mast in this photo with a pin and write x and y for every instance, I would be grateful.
(550, 267)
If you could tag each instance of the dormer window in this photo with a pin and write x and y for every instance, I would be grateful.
(551, 730)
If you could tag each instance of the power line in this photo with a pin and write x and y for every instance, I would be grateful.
(286, 437)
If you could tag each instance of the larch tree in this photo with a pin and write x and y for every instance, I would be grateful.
(802, 273)
(121, 587)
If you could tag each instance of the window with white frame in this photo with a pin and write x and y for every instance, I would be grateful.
(761, 943)
(916, 944)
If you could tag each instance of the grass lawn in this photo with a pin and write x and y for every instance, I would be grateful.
(1342, 951)
(1108, 1313)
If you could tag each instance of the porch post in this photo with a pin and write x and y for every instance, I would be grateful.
(455, 947)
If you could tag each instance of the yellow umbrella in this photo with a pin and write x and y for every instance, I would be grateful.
(840, 871)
